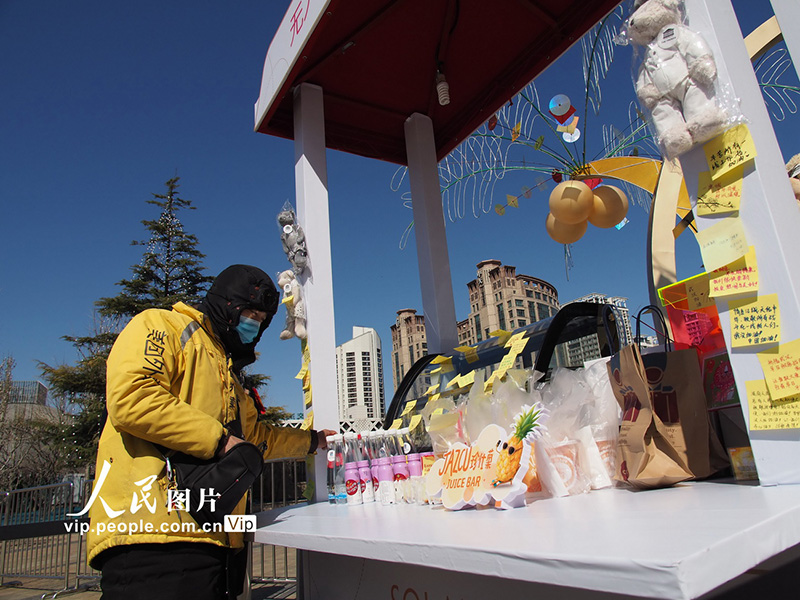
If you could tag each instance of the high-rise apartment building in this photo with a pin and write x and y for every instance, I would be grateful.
(408, 342)
(501, 299)
(359, 377)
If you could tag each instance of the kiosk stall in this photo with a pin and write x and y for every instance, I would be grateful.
(363, 77)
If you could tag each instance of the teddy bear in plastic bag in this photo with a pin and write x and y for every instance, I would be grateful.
(676, 79)
(295, 306)
(293, 239)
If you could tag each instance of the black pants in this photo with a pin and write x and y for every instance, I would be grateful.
(172, 571)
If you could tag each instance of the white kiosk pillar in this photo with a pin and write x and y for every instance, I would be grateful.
(771, 221)
(435, 281)
(788, 15)
(311, 183)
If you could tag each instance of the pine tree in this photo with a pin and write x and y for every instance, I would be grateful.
(170, 271)
(171, 268)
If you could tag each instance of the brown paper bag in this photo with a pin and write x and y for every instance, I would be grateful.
(649, 454)
(679, 400)
(671, 438)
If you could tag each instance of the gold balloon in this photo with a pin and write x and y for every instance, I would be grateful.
(565, 233)
(571, 202)
(610, 206)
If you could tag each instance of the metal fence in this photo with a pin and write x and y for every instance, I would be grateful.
(282, 483)
(36, 551)
(35, 545)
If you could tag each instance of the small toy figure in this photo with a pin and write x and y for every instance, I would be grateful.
(293, 240)
(295, 306)
(676, 80)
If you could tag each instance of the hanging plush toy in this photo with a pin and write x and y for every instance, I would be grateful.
(295, 306)
(676, 80)
(293, 240)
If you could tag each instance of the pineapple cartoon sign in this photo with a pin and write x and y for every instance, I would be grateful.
(494, 469)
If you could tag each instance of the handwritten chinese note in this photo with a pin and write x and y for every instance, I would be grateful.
(691, 293)
(765, 413)
(697, 292)
(739, 277)
(723, 195)
(755, 321)
(729, 150)
(722, 243)
(781, 368)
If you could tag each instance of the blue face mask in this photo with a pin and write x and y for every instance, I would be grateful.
(247, 329)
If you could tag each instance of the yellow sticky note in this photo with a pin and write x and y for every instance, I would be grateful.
(697, 295)
(454, 383)
(729, 150)
(519, 345)
(722, 243)
(308, 421)
(514, 339)
(470, 353)
(431, 389)
(720, 196)
(396, 424)
(507, 362)
(409, 407)
(415, 420)
(445, 364)
(302, 372)
(468, 379)
(502, 336)
(765, 413)
(436, 396)
(781, 368)
(755, 321)
(739, 277)
(677, 294)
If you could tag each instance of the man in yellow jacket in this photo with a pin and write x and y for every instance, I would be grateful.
(173, 384)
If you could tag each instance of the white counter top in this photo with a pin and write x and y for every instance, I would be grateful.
(678, 542)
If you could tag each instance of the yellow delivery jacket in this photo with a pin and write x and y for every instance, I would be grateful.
(170, 383)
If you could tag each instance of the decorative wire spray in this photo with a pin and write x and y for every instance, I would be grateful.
(514, 140)
(471, 172)
(779, 97)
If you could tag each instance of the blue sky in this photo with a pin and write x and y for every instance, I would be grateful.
(102, 102)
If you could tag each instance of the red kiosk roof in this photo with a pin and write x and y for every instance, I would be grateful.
(377, 60)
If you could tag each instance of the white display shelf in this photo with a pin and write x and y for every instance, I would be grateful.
(679, 542)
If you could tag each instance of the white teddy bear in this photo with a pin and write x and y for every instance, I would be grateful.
(676, 79)
(295, 306)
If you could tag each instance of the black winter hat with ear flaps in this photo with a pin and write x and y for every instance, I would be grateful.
(236, 288)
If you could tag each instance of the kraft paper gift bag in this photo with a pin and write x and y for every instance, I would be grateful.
(665, 435)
